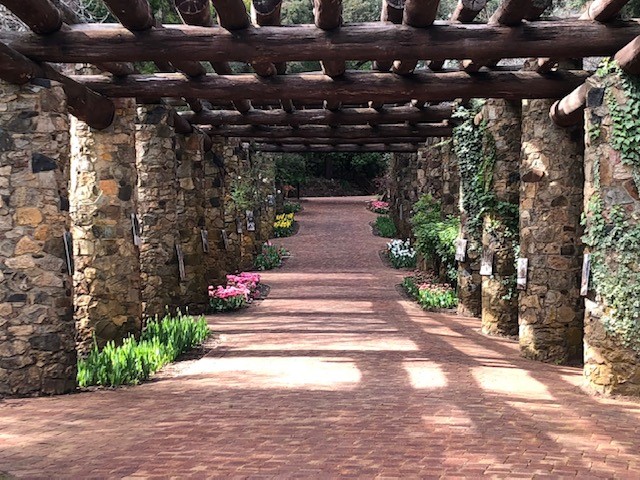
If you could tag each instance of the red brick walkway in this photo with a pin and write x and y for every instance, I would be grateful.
(334, 375)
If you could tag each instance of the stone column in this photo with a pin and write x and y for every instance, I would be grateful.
(612, 229)
(499, 299)
(157, 199)
(469, 279)
(450, 180)
(551, 195)
(107, 271)
(213, 184)
(191, 221)
(37, 344)
(233, 217)
(405, 175)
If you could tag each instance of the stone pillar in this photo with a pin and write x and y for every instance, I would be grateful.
(213, 184)
(37, 344)
(612, 229)
(405, 174)
(499, 298)
(469, 279)
(157, 200)
(191, 221)
(233, 217)
(450, 180)
(551, 195)
(107, 272)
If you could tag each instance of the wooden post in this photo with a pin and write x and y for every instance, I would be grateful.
(328, 16)
(420, 14)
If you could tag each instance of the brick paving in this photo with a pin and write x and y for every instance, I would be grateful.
(334, 375)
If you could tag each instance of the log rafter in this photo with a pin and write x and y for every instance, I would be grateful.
(417, 14)
(380, 147)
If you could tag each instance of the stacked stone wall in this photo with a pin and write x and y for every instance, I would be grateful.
(37, 344)
(216, 260)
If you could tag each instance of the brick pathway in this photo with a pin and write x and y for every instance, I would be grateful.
(334, 375)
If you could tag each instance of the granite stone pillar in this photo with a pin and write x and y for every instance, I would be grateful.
(213, 184)
(551, 310)
(499, 299)
(37, 344)
(157, 207)
(107, 271)
(405, 174)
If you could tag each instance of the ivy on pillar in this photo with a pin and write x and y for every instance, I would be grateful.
(551, 196)
(107, 271)
(37, 341)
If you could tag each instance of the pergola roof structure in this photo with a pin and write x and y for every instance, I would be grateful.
(331, 110)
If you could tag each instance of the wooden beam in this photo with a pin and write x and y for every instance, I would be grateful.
(91, 43)
(628, 58)
(569, 111)
(537, 8)
(266, 13)
(353, 87)
(334, 141)
(324, 131)
(41, 16)
(328, 17)
(391, 11)
(380, 147)
(346, 116)
(96, 110)
(418, 14)
(511, 12)
(135, 15)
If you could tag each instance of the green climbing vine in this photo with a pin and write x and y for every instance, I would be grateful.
(613, 233)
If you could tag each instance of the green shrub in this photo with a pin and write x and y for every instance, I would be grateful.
(161, 342)
(385, 227)
(291, 207)
(430, 295)
(270, 257)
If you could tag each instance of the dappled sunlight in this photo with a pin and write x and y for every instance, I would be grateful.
(510, 382)
(321, 373)
(424, 374)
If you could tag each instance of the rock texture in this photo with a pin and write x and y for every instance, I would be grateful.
(103, 200)
(551, 310)
(215, 260)
(37, 345)
(499, 304)
(404, 189)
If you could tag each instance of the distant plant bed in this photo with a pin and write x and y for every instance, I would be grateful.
(239, 291)
(378, 206)
(384, 227)
(430, 295)
(284, 225)
(401, 254)
(161, 342)
(291, 207)
(270, 257)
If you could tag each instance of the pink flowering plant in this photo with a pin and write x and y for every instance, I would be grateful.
(240, 290)
(378, 206)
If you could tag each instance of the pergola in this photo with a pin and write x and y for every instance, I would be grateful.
(393, 107)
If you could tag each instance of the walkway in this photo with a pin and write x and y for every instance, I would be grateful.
(334, 375)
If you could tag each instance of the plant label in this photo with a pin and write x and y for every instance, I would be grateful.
(486, 263)
(183, 274)
(225, 239)
(239, 226)
(204, 235)
(251, 223)
(135, 230)
(523, 265)
(271, 200)
(401, 212)
(68, 252)
(461, 249)
(586, 272)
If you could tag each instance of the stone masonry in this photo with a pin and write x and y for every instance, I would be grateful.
(550, 308)
(103, 191)
(37, 345)
(403, 190)
(213, 190)
(499, 306)
(157, 207)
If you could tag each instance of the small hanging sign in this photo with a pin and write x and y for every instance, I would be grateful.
(461, 249)
(523, 265)
(183, 274)
(68, 251)
(225, 239)
(204, 235)
(401, 212)
(586, 272)
(239, 225)
(271, 200)
(251, 223)
(486, 263)
(135, 229)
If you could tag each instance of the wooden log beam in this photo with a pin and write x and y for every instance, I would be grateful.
(89, 106)
(334, 141)
(391, 11)
(353, 87)
(569, 110)
(311, 148)
(91, 43)
(328, 17)
(346, 116)
(417, 14)
(41, 16)
(135, 15)
(324, 131)
(628, 58)
(266, 13)
(537, 8)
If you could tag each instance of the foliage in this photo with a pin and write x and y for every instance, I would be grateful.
(239, 291)
(244, 193)
(401, 254)
(161, 342)
(270, 257)
(430, 295)
(283, 225)
(385, 227)
(291, 169)
(291, 207)
(613, 236)
(435, 237)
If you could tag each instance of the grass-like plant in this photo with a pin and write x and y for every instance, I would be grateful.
(430, 295)
(385, 227)
(270, 257)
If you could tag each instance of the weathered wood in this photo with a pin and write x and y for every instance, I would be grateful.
(628, 58)
(135, 15)
(380, 147)
(328, 16)
(102, 42)
(604, 10)
(325, 131)
(287, 106)
(569, 111)
(391, 11)
(180, 124)
(195, 12)
(511, 12)
(334, 141)
(537, 8)
(419, 14)
(41, 16)
(346, 116)
(332, 105)
(266, 12)
(96, 110)
(353, 87)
